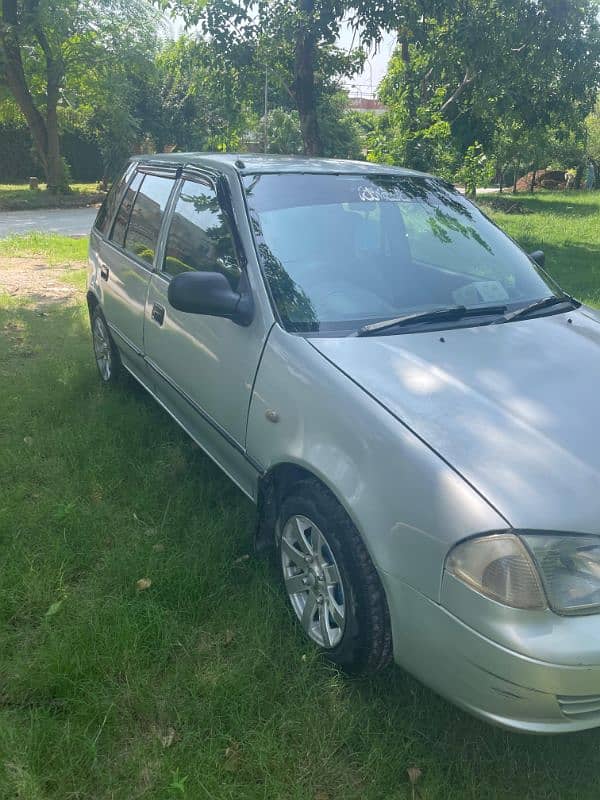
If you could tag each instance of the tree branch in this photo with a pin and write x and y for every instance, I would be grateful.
(466, 81)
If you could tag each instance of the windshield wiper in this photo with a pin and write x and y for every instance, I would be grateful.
(437, 314)
(545, 302)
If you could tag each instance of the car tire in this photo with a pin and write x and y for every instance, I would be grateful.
(106, 354)
(330, 580)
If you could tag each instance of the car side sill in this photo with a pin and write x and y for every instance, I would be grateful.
(206, 417)
(125, 340)
(194, 439)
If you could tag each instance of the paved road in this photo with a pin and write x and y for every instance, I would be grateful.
(68, 221)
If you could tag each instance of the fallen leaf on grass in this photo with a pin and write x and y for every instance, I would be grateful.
(158, 547)
(168, 737)
(142, 584)
(320, 795)
(241, 559)
(28, 440)
(414, 773)
(232, 757)
(54, 608)
(229, 637)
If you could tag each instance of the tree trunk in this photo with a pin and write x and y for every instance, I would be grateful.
(16, 81)
(55, 172)
(515, 179)
(44, 132)
(533, 177)
(304, 83)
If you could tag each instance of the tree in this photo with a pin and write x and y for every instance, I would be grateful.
(205, 100)
(474, 65)
(475, 170)
(295, 41)
(45, 43)
(592, 124)
(341, 134)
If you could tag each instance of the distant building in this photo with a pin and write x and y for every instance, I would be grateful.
(366, 104)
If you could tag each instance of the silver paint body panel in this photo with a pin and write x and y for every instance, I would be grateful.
(424, 443)
(513, 407)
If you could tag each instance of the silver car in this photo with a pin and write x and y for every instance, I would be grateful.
(409, 399)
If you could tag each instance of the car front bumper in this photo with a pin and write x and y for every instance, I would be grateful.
(488, 679)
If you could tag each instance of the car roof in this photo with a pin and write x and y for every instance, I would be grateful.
(255, 163)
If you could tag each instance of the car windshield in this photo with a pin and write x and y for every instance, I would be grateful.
(342, 251)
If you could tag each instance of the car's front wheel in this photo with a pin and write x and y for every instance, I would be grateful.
(105, 352)
(330, 580)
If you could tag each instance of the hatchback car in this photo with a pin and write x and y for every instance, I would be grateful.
(409, 399)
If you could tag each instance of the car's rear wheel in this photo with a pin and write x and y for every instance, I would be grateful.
(105, 352)
(330, 580)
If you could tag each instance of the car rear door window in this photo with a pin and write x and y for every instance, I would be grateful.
(122, 219)
(146, 216)
(199, 237)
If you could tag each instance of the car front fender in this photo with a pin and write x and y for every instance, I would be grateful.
(409, 505)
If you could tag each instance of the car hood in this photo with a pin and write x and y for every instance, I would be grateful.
(515, 408)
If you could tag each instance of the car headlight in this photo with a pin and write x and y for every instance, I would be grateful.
(569, 565)
(523, 570)
(500, 567)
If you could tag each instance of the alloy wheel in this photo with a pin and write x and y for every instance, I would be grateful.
(313, 581)
(102, 348)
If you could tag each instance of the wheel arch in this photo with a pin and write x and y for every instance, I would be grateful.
(273, 486)
(92, 301)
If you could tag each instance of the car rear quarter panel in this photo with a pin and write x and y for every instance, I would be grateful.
(408, 504)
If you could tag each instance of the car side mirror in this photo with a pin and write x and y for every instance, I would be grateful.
(539, 257)
(210, 293)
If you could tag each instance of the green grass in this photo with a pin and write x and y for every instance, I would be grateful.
(18, 196)
(53, 247)
(201, 686)
(566, 225)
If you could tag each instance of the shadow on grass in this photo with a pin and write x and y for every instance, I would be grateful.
(561, 204)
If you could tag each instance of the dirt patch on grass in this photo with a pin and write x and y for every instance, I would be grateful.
(34, 280)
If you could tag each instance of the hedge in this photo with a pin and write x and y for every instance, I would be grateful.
(18, 160)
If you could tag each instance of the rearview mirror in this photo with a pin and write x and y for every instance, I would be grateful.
(210, 293)
(539, 257)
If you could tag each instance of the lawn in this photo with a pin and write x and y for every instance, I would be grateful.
(18, 196)
(567, 227)
(51, 247)
(200, 685)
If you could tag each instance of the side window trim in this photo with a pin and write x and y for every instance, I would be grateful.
(163, 234)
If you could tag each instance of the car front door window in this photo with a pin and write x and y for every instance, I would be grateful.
(199, 237)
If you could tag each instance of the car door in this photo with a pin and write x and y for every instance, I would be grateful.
(205, 365)
(125, 260)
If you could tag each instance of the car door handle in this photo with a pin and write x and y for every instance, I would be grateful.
(104, 272)
(158, 313)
